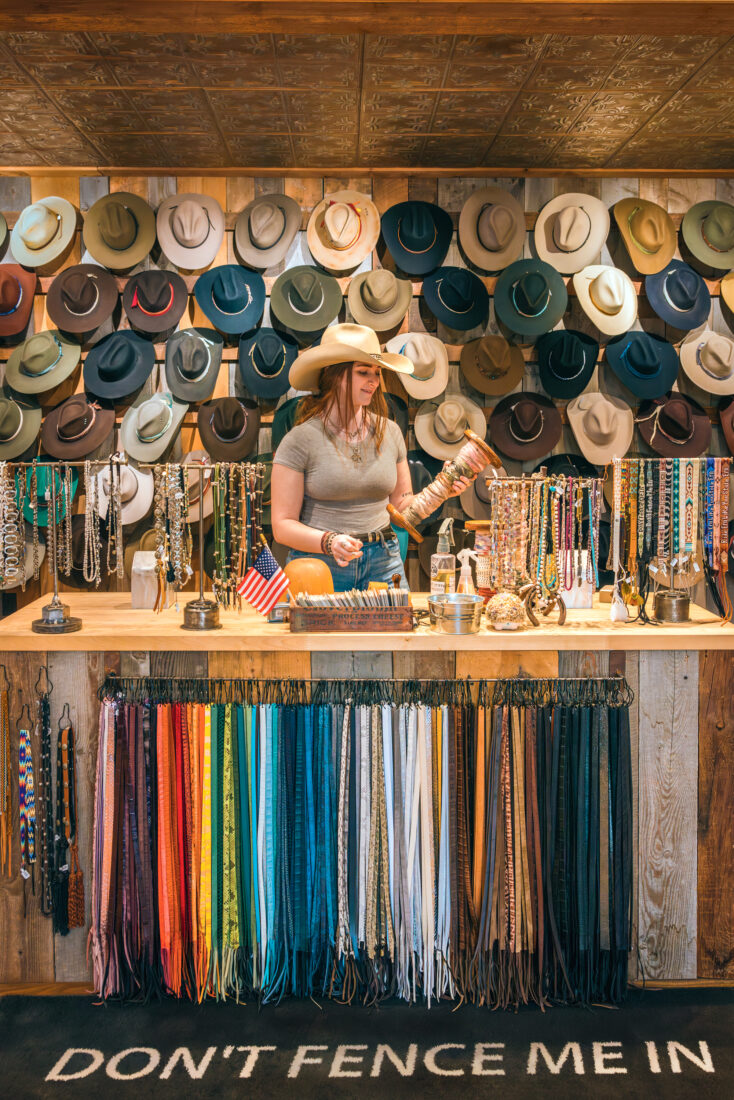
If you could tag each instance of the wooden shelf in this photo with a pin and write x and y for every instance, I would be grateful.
(109, 623)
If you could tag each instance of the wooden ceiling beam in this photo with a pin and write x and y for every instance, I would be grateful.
(393, 17)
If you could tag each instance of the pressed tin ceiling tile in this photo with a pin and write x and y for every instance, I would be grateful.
(228, 47)
(28, 42)
(317, 47)
(75, 71)
(497, 47)
(136, 45)
(410, 74)
(310, 75)
(566, 76)
(246, 75)
(654, 48)
(491, 75)
(651, 74)
(380, 46)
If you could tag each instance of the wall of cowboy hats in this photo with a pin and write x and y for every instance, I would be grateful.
(451, 194)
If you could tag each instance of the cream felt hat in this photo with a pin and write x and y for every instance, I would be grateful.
(136, 491)
(607, 297)
(190, 229)
(603, 426)
(43, 231)
(342, 230)
(492, 228)
(571, 230)
(708, 359)
(440, 425)
(430, 361)
(343, 344)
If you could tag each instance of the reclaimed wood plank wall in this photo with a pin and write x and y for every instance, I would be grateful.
(681, 726)
(234, 192)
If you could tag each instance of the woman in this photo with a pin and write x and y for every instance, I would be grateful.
(335, 471)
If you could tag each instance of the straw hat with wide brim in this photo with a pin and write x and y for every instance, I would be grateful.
(81, 298)
(440, 425)
(190, 229)
(42, 362)
(119, 230)
(607, 297)
(708, 359)
(43, 231)
(17, 290)
(430, 360)
(525, 425)
(344, 344)
(342, 230)
(603, 426)
(492, 228)
(530, 297)
(648, 233)
(708, 231)
(492, 365)
(20, 423)
(136, 492)
(150, 425)
(379, 299)
(571, 230)
(265, 229)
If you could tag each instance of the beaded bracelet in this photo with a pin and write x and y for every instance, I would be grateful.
(327, 540)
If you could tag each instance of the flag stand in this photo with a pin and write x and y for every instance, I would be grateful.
(201, 614)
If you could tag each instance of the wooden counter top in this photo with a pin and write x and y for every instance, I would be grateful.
(109, 623)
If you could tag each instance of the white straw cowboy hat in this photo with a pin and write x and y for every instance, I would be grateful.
(190, 229)
(343, 344)
(265, 229)
(492, 228)
(440, 425)
(43, 231)
(708, 359)
(571, 230)
(342, 230)
(607, 297)
(430, 361)
(603, 426)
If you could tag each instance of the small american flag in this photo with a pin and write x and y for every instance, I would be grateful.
(264, 583)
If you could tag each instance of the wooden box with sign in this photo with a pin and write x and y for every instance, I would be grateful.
(354, 620)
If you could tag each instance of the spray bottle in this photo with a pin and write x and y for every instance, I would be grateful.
(466, 580)
(443, 562)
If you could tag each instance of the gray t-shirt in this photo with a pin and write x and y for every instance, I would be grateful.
(338, 494)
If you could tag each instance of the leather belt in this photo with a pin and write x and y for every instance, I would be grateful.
(385, 533)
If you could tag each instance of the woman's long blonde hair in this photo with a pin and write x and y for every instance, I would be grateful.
(331, 399)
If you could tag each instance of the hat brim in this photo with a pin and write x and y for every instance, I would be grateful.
(139, 505)
(425, 432)
(547, 249)
(469, 363)
(202, 388)
(417, 263)
(123, 387)
(62, 316)
(697, 445)
(51, 441)
(26, 383)
(644, 386)
(511, 318)
(473, 505)
(423, 388)
(267, 257)
(380, 322)
(221, 451)
(190, 259)
(263, 385)
(502, 438)
(610, 325)
(126, 258)
(477, 314)
(617, 447)
(644, 262)
(683, 321)
(469, 238)
(336, 259)
(570, 465)
(727, 290)
(15, 322)
(28, 433)
(39, 257)
(281, 307)
(726, 419)
(162, 322)
(148, 452)
(692, 234)
(689, 360)
(306, 371)
(234, 324)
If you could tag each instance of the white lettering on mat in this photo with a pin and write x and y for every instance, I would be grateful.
(555, 1066)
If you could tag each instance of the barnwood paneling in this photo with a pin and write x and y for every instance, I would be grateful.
(184, 663)
(259, 666)
(716, 816)
(349, 665)
(498, 664)
(668, 785)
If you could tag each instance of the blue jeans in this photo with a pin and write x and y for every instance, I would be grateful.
(378, 563)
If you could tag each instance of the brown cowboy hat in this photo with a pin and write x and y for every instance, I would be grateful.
(726, 417)
(675, 426)
(492, 365)
(81, 298)
(155, 301)
(17, 287)
(525, 425)
(229, 428)
(76, 427)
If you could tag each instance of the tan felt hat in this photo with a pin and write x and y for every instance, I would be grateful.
(150, 425)
(190, 229)
(430, 361)
(607, 297)
(571, 230)
(43, 231)
(708, 359)
(492, 228)
(265, 229)
(603, 426)
(342, 230)
(379, 299)
(727, 290)
(648, 233)
(343, 344)
(119, 230)
(492, 365)
(439, 426)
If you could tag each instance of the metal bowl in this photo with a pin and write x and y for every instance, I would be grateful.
(452, 613)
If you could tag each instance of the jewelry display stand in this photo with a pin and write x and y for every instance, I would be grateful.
(55, 617)
(201, 614)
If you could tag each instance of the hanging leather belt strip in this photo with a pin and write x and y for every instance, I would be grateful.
(6, 786)
(358, 840)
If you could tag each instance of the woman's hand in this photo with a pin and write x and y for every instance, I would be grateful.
(461, 483)
(345, 549)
